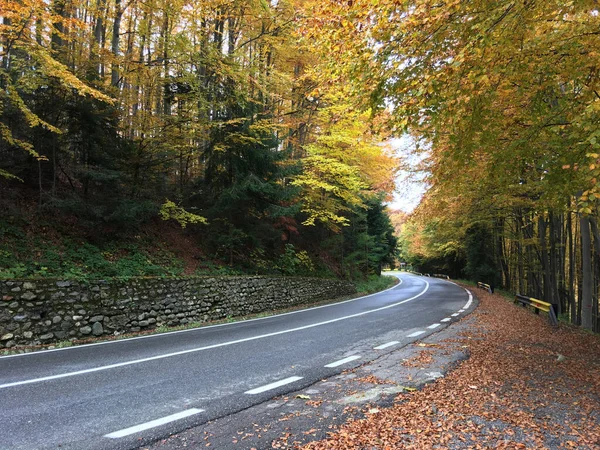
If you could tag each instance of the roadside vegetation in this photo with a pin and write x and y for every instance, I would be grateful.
(121, 122)
(375, 284)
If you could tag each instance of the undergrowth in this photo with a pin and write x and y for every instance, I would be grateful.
(375, 283)
(23, 256)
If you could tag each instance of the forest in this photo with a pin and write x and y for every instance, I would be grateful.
(214, 115)
(260, 128)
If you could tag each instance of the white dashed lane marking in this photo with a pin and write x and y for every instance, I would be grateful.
(153, 423)
(389, 344)
(276, 384)
(343, 361)
(435, 325)
(416, 333)
(447, 319)
(455, 314)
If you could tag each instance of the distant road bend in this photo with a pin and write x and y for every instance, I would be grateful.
(123, 394)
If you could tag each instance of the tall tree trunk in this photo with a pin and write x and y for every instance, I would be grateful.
(596, 274)
(542, 227)
(168, 95)
(571, 283)
(56, 40)
(553, 266)
(586, 269)
(6, 48)
(99, 37)
(116, 39)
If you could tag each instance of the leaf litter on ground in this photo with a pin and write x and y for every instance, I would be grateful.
(525, 385)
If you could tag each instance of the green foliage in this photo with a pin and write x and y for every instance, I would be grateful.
(210, 268)
(292, 262)
(480, 255)
(375, 283)
(17, 270)
(330, 188)
(369, 242)
(82, 260)
(170, 211)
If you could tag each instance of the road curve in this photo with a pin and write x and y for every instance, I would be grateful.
(122, 394)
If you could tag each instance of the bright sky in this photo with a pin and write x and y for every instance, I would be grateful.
(409, 184)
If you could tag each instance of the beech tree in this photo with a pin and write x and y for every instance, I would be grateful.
(504, 98)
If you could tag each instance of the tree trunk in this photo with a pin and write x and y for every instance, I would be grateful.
(116, 38)
(571, 284)
(99, 37)
(546, 292)
(553, 266)
(586, 269)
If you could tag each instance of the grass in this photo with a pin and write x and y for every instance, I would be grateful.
(375, 284)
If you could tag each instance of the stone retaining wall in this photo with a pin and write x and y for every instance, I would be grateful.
(34, 312)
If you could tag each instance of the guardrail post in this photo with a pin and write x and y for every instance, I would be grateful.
(552, 315)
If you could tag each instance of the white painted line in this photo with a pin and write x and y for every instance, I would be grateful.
(435, 325)
(389, 344)
(268, 387)
(467, 291)
(189, 330)
(416, 333)
(447, 319)
(153, 423)
(470, 300)
(343, 361)
(461, 310)
(455, 314)
(208, 347)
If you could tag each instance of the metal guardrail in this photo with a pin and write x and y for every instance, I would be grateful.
(538, 306)
(441, 275)
(485, 286)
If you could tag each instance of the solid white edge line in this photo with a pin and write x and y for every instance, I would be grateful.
(153, 423)
(447, 319)
(343, 361)
(470, 299)
(416, 333)
(208, 347)
(276, 384)
(468, 292)
(121, 341)
(435, 325)
(389, 344)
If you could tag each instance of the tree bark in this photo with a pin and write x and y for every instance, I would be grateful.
(571, 284)
(99, 37)
(586, 269)
(116, 39)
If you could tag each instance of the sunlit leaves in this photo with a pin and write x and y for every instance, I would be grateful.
(170, 211)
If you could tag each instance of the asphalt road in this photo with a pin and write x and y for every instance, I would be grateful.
(122, 394)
